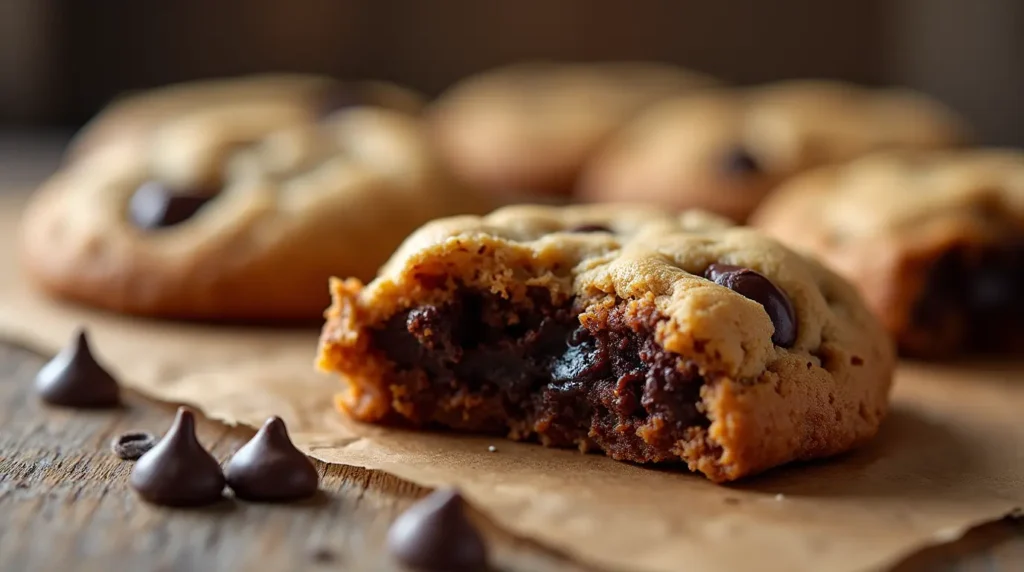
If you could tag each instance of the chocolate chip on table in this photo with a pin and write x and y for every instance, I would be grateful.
(132, 445)
(590, 228)
(178, 471)
(755, 286)
(154, 205)
(73, 378)
(739, 161)
(270, 468)
(436, 534)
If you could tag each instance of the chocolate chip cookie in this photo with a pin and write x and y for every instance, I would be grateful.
(725, 150)
(236, 212)
(529, 128)
(933, 240)
(128, 121)
(652, 337)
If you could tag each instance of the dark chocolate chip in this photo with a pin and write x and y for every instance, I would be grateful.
(755, 286)
(739, 162)
(436, 534)
(154, 205)
(590, 228)
(73, 378)
(130, 446)
(270, 468)
(178, 471)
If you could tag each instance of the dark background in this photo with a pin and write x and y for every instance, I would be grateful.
(61, 60)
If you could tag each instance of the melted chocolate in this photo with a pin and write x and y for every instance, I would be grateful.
(534, 369)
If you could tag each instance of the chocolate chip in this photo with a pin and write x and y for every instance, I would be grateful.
(154, 205)
(590, 228)
(750, 284)
(270, 468)
(436, 534)
(178, 471)
(73, 378)
(130, 446)
(739, 162)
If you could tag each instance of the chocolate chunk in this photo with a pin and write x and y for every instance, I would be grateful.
(590, 228)
(130, 446)
(739, 162)
(436, 534)
(178, 471)
(73, 378)
(154, 205)
(270, 468)
(750, 284)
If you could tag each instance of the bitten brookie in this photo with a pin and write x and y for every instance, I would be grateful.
(595, 327)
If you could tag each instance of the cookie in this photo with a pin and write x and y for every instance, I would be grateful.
(933, 240)
(726, 150)
(236, 213)
(129, 119)
(529, 128)
(651, 337)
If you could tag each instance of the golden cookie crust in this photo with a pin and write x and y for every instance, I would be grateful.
(726, 150)
(128, 120)
(298, 200)
(888, 220)
(767, 405)
(529, 127)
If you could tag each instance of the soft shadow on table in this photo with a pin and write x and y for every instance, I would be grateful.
(908, 449)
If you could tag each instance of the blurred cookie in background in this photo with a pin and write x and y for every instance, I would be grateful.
(127, 121)
(236, 212)
(933, 240)
(529, 128)
(726, 150)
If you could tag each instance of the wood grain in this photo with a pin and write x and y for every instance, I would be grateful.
(65, 504)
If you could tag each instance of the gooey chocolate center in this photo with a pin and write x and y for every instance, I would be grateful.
(974, 300)
(484, 364)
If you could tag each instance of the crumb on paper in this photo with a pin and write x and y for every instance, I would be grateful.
(492, 448)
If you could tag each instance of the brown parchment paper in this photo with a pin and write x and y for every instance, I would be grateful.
(950, 456)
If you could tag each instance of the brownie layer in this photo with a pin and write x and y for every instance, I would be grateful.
(531, 370)
(973, 300)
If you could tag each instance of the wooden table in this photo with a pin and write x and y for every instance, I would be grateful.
(65, 504)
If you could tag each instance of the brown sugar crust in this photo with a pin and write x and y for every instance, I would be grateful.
(610, 340)
(725, 150)
(530, 127)
(933, 240)
(295, 200)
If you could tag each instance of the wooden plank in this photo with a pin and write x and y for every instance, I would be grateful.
(65, 504)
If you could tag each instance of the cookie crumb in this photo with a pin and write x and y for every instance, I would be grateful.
(780, 496)
(492, 449)
(132, 445)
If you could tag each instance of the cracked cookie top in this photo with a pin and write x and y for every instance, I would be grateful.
(593, 254)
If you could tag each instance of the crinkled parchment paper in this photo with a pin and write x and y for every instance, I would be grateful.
(950, 456)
